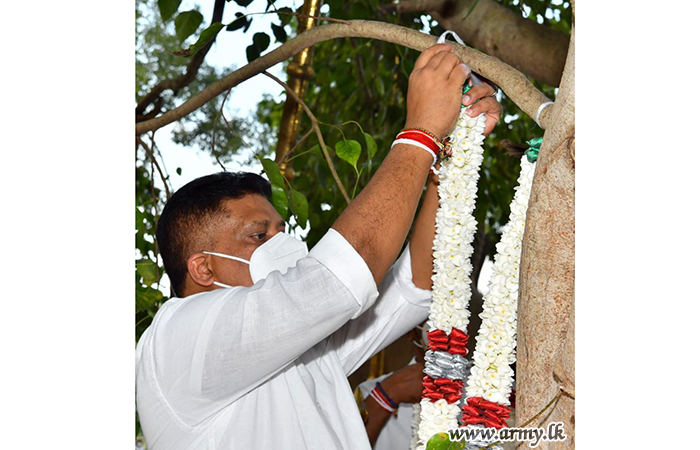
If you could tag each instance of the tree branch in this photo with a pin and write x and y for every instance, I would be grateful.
(314, 124)
(513, 83)
(154, 98)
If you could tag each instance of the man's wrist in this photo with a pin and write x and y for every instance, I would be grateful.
(390, 390)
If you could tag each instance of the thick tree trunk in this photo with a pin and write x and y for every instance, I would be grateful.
(545, 353)
(534, 49)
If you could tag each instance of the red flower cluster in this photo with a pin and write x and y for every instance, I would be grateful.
(436, 389)
(481, 411)
(455, 343)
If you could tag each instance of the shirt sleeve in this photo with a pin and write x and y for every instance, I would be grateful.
(400, 307)
(219, 345)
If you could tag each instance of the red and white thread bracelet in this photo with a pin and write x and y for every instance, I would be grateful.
(377, 395)
(426, 140)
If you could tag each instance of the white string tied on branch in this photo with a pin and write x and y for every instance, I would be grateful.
(539, 111)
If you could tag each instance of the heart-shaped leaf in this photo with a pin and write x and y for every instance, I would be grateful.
(186, 23)
(349, 151)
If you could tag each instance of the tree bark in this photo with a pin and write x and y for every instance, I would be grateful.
(534, 49)
(545, 352)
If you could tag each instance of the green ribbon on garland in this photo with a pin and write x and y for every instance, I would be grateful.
(465, 89)
(533, 152)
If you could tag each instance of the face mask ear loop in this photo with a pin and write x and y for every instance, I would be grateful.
(227, 257)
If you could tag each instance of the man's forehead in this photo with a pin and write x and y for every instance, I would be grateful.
(253, 211)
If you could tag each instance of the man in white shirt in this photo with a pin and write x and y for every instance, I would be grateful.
(255, 351)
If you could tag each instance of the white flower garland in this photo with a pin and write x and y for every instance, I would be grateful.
(491, 376)
(455, 228)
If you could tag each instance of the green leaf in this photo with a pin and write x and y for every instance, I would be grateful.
(204, 38)
(240, 22)
(186, 23)
(168, 8)
(251, 53)
(273, 173)
(371, 145)
(299, 206)
(285, 15)
(146, 298)
(349, 151)
(279, 200)
(261, 41)
(148, 270)
(179, 170)
(279, 33)
(244, 3)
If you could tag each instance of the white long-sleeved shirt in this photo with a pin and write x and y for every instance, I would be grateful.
(265, 367)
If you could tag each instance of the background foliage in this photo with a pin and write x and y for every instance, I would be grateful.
(357, 92)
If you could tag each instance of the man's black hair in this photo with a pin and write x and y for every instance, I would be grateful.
(182, 227)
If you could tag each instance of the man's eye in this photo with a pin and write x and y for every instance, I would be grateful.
(260, 236)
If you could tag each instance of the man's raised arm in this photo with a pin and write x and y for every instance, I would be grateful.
(377, 221)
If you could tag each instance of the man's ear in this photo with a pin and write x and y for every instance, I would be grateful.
(199, 270)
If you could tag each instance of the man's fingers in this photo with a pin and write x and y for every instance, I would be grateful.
(477, 92)
(460, 73)
(428, 53)
(489, 105)
(436, 60)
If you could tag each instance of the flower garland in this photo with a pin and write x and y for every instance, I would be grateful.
(491, 378)
(445, 361)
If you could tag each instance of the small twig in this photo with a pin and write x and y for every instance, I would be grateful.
(154, 162)
(213, 131)
(291, 150)
(515, 149)
(361, 72)
(551, 402)
(314, 124)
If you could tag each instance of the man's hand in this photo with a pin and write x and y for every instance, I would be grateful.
(406, 385)
(435, 89)
(487, 104)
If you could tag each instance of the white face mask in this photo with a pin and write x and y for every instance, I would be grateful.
(280, 252)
